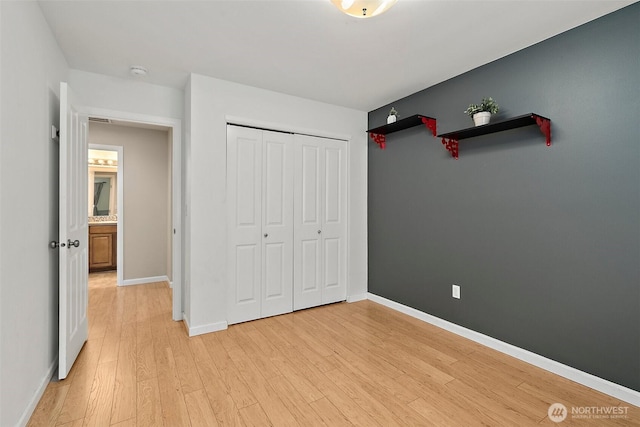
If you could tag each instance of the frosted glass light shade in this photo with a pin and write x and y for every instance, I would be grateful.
(363, 8)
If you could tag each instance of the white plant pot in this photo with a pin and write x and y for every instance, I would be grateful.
(391, 119)
(481, 118)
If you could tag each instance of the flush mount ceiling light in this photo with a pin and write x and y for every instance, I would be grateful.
(138, 71)
(363, 8)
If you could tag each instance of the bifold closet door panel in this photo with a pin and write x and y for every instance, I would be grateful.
(320, 224)
(260, 223)
(244, 219)
(307, 270)
(277, 223)
(334, 221)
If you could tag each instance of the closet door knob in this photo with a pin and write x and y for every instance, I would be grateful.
(266, 234)
(319, 231)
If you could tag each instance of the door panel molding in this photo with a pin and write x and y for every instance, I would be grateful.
(260, 189)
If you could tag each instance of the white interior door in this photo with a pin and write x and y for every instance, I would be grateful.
(319, 221)
(73, 236)
(277, 224)
(244, 219)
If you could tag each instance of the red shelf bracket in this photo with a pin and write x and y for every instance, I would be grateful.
(545, 128)
(381, 140)
(430, 124)
(452, 146)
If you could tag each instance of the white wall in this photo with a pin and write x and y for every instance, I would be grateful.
(134, 100)
(210, 104)
(128, 95)
(30, 74)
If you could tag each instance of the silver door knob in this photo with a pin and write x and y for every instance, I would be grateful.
(54, 245)
(319, 231)
(266, 234)
(75, 243)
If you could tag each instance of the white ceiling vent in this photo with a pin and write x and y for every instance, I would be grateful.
(99, 120)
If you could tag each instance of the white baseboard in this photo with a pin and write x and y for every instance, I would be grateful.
(28, 412)
(144, 280)
(203, 329)
(612, 389)
(357, 297)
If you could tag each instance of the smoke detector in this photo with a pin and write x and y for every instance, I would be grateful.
(138, 71)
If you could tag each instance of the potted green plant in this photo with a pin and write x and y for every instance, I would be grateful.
(481, 113)
(393, 116)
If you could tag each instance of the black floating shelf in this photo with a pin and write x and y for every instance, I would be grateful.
(378, 133)
(450, 139)
(401, 124)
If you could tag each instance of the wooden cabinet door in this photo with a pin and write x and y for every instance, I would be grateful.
(102, 247)
(101, 251)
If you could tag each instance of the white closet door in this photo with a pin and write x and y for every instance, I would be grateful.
(260, 221)
(320, 221)
(277, 224)
(334, 221)
(307, 269)
(244, 216)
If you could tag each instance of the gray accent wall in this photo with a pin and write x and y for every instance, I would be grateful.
(544, 241)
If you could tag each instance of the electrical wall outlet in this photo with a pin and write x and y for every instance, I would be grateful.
(455, 291)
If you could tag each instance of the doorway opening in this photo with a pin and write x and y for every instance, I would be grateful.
(105, 203)
(143, 211)
(128, 272)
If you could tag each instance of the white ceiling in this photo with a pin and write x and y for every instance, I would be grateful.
(307, 48)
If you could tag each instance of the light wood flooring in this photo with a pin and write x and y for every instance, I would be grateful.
(338, 365)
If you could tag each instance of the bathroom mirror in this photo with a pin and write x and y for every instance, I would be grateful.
(102, 201)
(103, 188)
